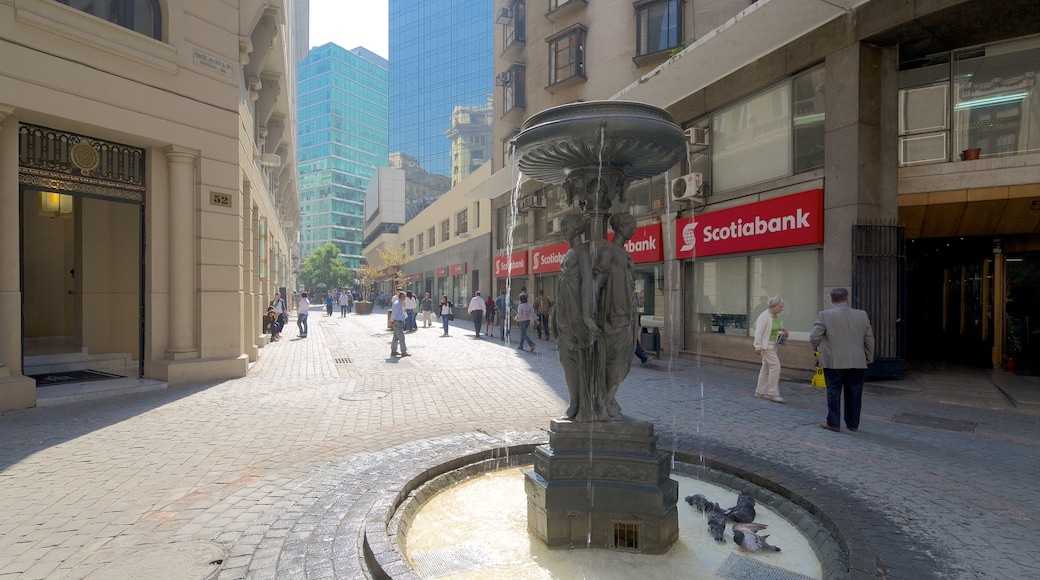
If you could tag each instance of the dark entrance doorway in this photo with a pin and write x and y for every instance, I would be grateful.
(950, 302)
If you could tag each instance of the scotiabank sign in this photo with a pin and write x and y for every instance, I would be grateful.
(514, 264)
(546, 260)
(645, 245)
(792, 220)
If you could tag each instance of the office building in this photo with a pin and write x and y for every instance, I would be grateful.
(343, 139)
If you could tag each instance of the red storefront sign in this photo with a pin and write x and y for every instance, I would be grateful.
(784, 222)
(514, 264)
(646, 245)
(442, 272)
(546, 260)
(457, 269)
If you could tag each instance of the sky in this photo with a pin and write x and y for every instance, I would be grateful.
(352, 23)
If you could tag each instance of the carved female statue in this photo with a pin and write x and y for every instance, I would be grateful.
(614, 276)
(574, 324)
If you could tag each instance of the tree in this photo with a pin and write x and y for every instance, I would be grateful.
(324, 266)
(394, 258)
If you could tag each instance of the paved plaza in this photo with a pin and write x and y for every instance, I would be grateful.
(274, 475)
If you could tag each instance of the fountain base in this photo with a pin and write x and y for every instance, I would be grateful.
(602, 484)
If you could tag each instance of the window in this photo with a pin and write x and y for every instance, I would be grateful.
(432, 235)
(751, 140)
(419, 239)
(516, 27)
(808, 120)
(567, 55)
(411, 247)
(445, 230)
(462, 221)
(142, 16)
(993, 96)
(554, 4)
(514, 87)
(659, 26)
(732, 292)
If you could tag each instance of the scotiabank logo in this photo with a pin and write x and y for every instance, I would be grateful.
(645, 246)
(514, 264)
(793, 220)
(547, 259)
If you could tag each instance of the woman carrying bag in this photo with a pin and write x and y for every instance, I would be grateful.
(446, 312)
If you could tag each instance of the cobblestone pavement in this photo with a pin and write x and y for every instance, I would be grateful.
(278, 470)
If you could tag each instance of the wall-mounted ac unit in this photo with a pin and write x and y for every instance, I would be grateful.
(532, 201)
(503, 79)
(687, 187)
(553, 227)
(698, 136)
(504, 15)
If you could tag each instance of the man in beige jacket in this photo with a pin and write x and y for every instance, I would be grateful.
(842, 335)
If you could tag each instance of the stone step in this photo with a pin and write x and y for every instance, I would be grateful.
(77, 361)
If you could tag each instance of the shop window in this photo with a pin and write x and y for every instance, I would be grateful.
(658, 26)
(986, 107)
(142, 16)
(732, 292)
(751, 140)
(567, 55)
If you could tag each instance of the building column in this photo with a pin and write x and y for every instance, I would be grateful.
(16, 391)
(181, 344)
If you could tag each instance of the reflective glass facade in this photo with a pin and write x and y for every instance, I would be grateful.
(441, 52)
(342, 140)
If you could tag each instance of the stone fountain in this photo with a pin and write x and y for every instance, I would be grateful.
(600, 482)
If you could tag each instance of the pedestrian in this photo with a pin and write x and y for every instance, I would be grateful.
(542, 306)
(426, 307)
(397, 320)
(301, 316)
(350, 302)
(271, 325)
(490, 316)
(447, 312)
(843, 336)
(768, 329)
(476, 312)
(523, 292)
(504, 306)
(329, 301)
(524, 315)
(343, 304)
(410, 304)
(282, 313)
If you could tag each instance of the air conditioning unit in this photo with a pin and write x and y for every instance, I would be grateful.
(687, 187)
(503, 79)
(553, 227)
(504, 15)
(698, 136)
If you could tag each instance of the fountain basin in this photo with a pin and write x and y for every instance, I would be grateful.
(637, 139)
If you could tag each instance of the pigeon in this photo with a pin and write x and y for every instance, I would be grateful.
(717, 523)
(702, 503)
(744, 536)
(744, 511)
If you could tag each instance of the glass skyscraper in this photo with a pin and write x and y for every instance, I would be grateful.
(441, 57)
(342, 140)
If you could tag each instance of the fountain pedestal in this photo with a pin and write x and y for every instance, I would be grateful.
(602, 484)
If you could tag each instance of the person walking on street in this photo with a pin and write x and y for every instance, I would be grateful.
(844, 338)
(490, 316)
(505, 306)
(476, 312)
(410, 303)
(542, 304)
(447, 312)
(768, 329)
(301, 316)
(343, 305)
(524, 315)
(426, 307)
(397, 320)
(329, 301)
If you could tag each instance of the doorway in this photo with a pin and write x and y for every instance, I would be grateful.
(82, 284)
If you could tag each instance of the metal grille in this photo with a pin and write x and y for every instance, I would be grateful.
(627, 536)
(879, 288)
(739, 567)
(343, 361)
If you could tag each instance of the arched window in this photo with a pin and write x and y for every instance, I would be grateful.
(143, 16)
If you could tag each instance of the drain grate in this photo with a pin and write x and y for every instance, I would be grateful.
(936, 422)
(343, 361)
(739, 567)
(627, 536)
(452, 561)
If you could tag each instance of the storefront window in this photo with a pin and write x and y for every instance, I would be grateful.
(732, 292)
(751, 141)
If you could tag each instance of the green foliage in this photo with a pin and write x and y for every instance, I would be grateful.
(324, 266)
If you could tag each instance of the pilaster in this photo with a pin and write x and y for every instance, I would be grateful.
(182, 253)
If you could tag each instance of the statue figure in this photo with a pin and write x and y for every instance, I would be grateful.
(614, 279)
(574, 325)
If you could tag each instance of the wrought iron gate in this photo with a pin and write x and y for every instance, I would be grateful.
(879, 288)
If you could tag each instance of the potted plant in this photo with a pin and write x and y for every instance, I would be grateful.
(366, 274)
